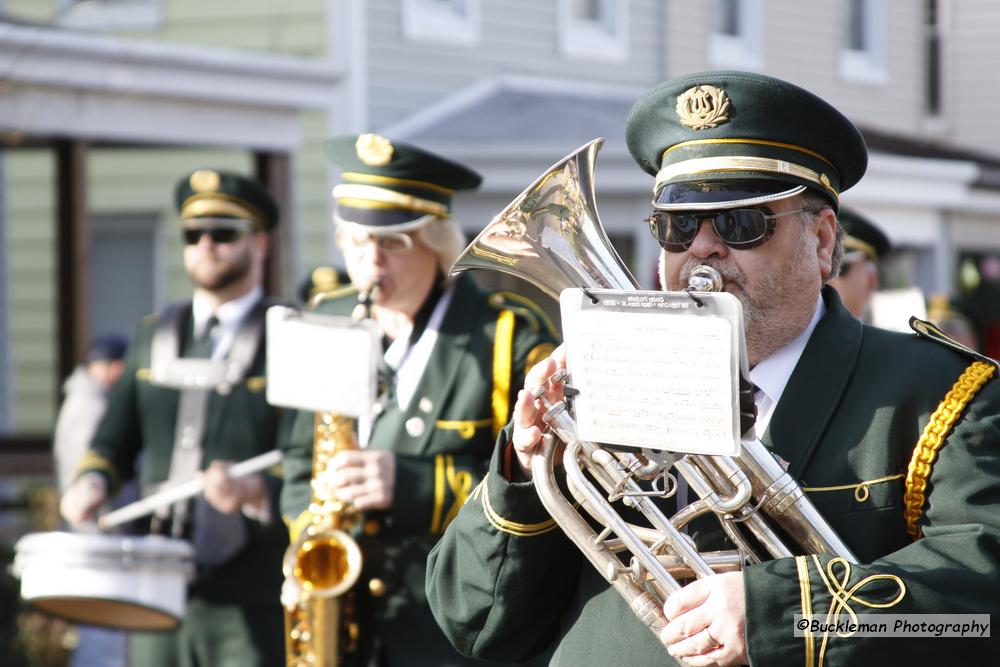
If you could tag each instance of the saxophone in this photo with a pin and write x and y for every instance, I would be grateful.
(325, 561)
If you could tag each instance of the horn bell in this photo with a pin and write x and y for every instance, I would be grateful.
(551, 234)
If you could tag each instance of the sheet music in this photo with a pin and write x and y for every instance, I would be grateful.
(321, 363)
(654, 372)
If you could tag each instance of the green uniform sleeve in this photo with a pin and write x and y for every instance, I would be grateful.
(116, 443)
(952, 569)
(503, 572)
(297, 450)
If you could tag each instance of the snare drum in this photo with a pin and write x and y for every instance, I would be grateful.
(126, 582)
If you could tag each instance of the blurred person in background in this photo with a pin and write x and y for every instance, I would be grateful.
(864, 246)
(86, 396)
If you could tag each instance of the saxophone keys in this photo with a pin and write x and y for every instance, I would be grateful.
(376, 587)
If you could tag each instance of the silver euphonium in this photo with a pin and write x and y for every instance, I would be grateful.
(551, 236)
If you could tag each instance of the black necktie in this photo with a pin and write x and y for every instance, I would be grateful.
(201, 346)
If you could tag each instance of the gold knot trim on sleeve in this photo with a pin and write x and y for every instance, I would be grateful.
(933, 437)
(842, 594)
(446, 477)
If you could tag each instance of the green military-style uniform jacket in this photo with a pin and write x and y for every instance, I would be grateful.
(140, 422)
(442, 444)
(505, 582)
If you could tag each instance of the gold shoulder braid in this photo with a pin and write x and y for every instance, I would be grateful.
(931, 440)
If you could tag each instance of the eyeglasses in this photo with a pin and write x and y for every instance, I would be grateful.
(739, 228)
(192, 235)
(390, 242)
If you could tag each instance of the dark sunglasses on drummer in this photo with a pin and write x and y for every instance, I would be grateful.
(738, 228)
(218, 234)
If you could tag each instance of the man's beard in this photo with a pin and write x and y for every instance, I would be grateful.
(222, 274)
(772, 314)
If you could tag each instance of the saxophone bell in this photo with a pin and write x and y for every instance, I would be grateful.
(324, 561)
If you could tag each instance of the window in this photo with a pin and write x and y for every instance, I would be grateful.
(863, 58)
(124, 271)
(932, 45)
(594, 29)
(109, 14)
(735, 40)
(455, 21)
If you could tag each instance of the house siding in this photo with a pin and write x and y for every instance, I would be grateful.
(141, 181)
(515, 36)
(972, 74)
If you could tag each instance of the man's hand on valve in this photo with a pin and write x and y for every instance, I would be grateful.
(363, 477)
(707, 622)
(228, 495)
(528, 411)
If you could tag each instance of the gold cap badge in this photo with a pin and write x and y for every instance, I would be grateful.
(703, 107)
(205, 180)
(374, 150)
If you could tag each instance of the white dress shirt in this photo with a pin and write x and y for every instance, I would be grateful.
(771, 375)
(230, 315)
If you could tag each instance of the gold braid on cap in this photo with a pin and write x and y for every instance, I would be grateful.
(854, 243)
(746, 163)
(211, 204)
(720, 164)
(375, 179)
(369, 196)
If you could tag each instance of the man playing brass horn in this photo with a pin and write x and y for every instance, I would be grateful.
(454, 359)
(893, 437)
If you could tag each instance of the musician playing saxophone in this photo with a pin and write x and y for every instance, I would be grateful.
(893, 437)
(454, 359)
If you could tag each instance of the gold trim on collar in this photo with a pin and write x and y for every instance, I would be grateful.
(369, 196)
(723, 163)
(358, 177)
(217, 203)
(854, 243)
(753, 142)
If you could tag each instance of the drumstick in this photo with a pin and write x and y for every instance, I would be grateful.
(184, 490)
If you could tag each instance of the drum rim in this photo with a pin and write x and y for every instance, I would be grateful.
(149, 608)
(146, 548)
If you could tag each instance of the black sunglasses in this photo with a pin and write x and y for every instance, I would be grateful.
(739, 228)
(193, 235)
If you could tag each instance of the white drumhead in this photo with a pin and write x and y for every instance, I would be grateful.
(127, 582)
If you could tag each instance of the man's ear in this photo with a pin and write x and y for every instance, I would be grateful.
(261, 242)
(826, 239)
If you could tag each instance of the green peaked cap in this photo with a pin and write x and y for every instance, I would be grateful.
(703, 131)
(213, 193)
